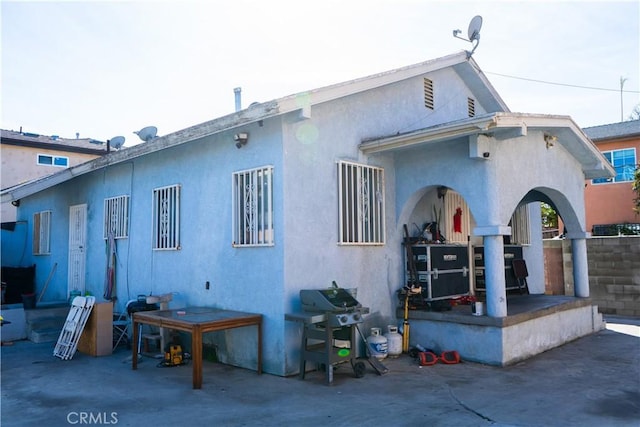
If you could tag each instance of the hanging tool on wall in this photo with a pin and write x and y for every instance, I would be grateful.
(46, 284)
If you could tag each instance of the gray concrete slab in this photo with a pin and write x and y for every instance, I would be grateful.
(594, 381)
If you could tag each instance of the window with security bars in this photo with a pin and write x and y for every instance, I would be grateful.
(520, 227)
(42, 233)
(428, 93)
(253, 207)
(360, 204)
(166, 218)
(116, 217)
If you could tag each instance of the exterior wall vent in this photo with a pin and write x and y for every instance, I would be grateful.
(428, 93)
(471, 107)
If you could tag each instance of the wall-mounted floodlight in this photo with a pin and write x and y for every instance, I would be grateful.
(241, 139)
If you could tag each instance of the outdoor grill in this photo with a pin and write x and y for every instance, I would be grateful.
(339, 307)
(330, 318)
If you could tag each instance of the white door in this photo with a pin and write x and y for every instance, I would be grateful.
(77, 247)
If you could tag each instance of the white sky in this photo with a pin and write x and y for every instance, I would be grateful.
(109, 68)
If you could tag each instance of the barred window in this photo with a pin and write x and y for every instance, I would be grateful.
(360, 204)
(116, 217)
(166, 218)
(253, 207)
(42, 233)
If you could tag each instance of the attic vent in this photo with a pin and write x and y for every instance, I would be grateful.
(471, 107)
(428, 93)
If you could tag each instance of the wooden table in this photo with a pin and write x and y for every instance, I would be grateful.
(196, 321)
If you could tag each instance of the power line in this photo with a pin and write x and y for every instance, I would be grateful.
(562, 84)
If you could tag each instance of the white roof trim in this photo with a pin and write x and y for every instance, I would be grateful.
(252, 114)
(594, 164)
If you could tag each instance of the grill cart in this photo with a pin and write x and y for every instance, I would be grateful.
(330, 318)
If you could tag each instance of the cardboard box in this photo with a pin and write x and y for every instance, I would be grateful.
(97, 336)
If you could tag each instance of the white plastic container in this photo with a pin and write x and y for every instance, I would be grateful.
(394, 341)
(377, 344)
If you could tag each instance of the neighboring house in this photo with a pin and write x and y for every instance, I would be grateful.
(27, 156)
(609, 201)
(244, 211)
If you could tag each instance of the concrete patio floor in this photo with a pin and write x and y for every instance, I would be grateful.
(594, 380)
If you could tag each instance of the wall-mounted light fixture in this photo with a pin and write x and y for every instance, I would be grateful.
(16, 203)
(241, 139)
(550, 140)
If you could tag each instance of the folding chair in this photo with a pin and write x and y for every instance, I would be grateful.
(520, 270)
(121, 322)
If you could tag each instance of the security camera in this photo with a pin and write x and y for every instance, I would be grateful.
(486, 154)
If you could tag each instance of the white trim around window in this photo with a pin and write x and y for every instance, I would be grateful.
(49, 160)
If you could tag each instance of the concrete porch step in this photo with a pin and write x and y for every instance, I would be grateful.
(44, 323)
(52, 322)
(58, 310)
(44, 335)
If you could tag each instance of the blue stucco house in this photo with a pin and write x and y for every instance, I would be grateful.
(244, 211)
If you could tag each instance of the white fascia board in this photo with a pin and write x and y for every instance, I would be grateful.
(250, 115)
(471, 73)
(594, 164)
(430, 135)
(340, 90)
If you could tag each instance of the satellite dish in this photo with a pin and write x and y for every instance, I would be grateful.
(473, 33)
(148, 133)
(116, 142)
(474, 28)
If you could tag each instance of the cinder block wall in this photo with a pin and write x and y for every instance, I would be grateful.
(614, 274)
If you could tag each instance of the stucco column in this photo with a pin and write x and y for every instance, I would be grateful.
(580, 264)
(494, 268)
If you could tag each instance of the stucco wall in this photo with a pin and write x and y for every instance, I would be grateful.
(20, 164)
(611, 203)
